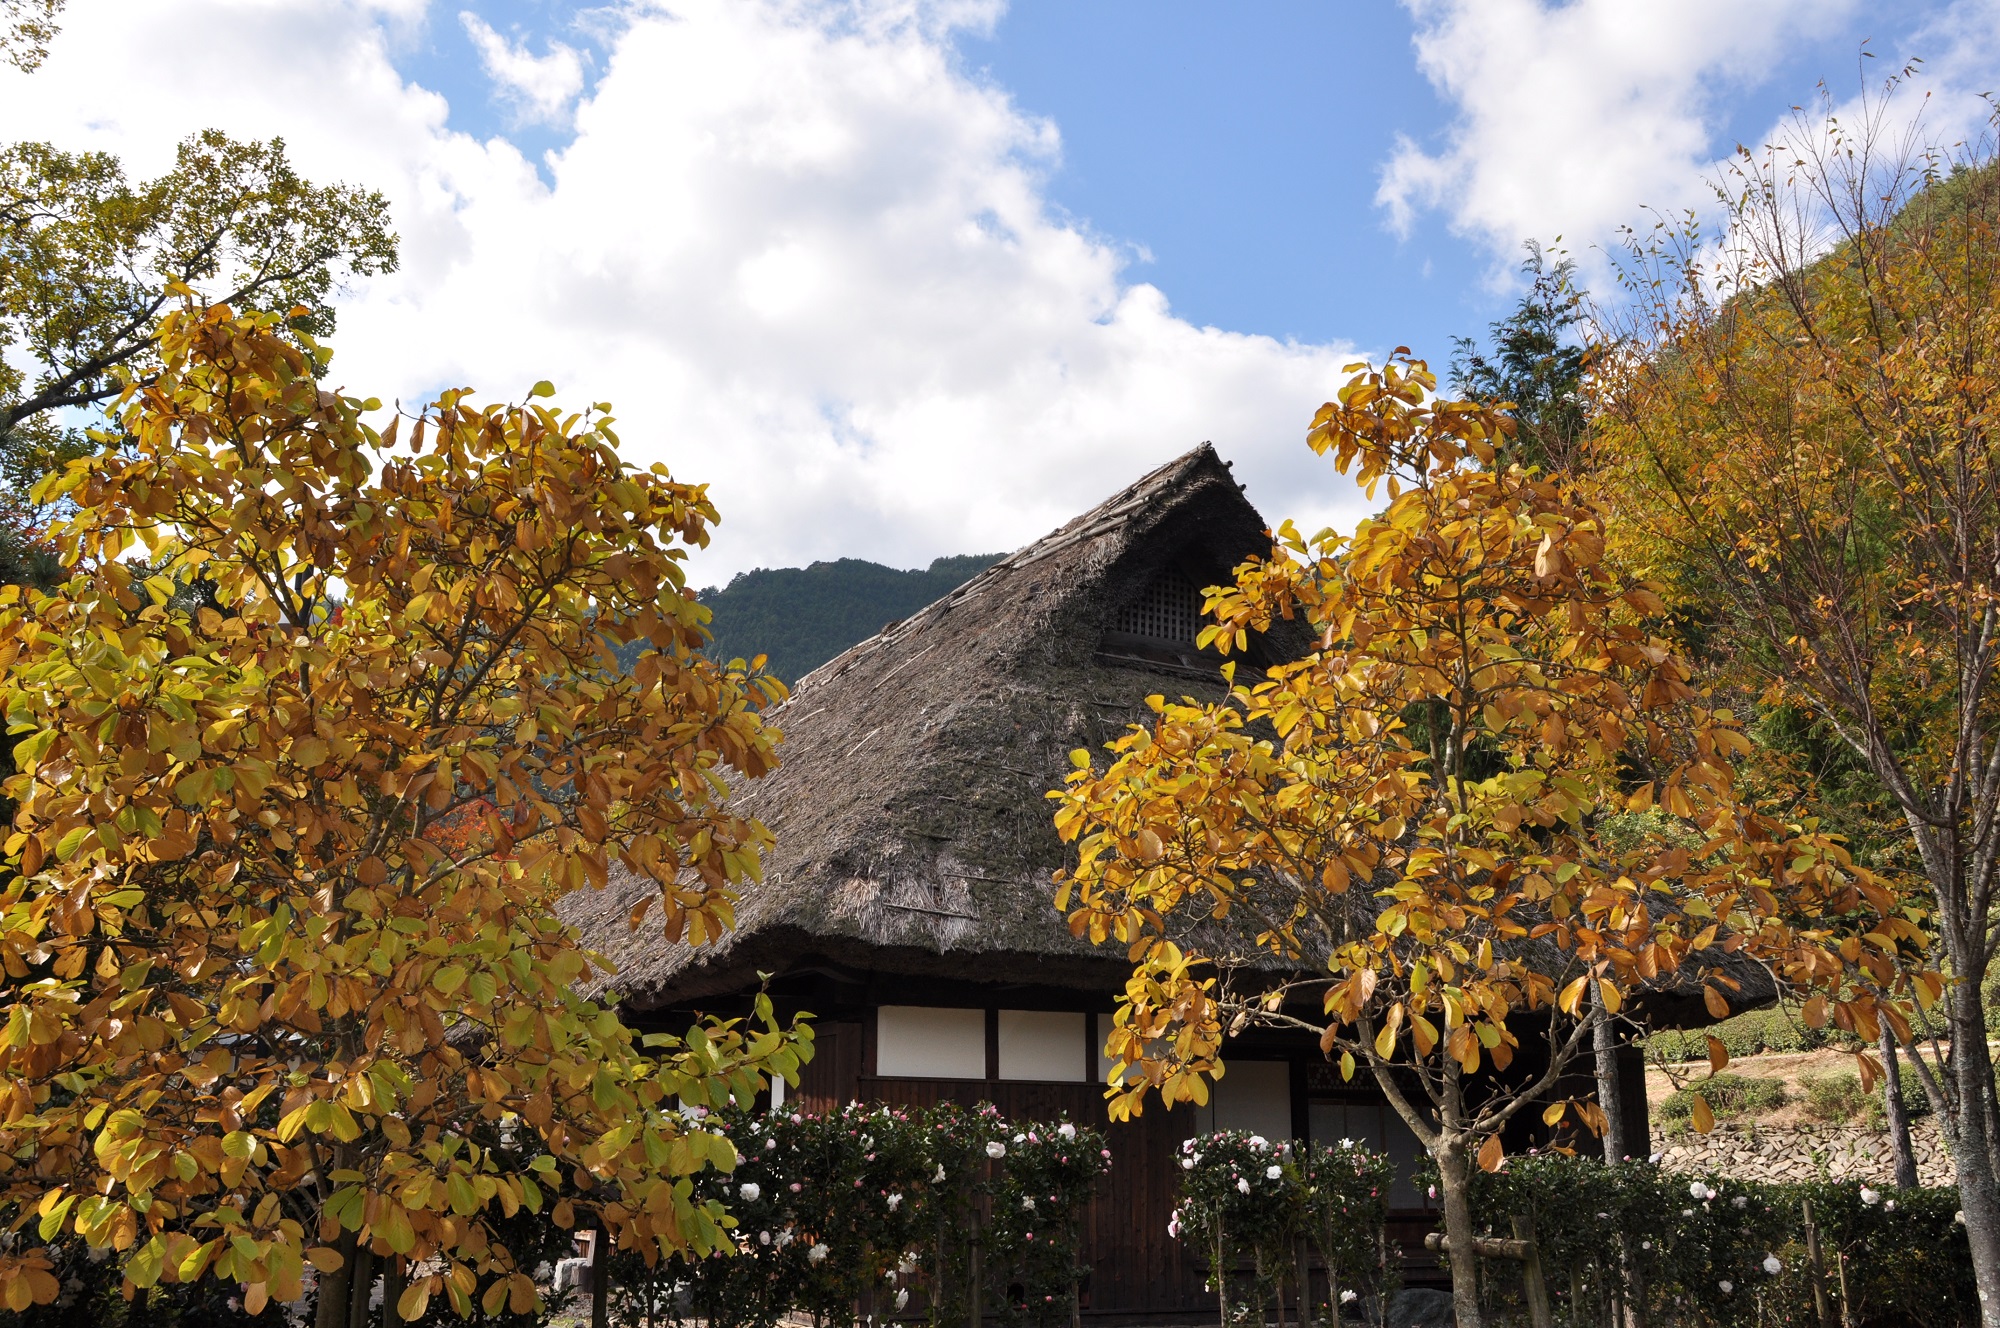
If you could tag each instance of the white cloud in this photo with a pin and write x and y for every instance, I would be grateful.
(807, 257)
(1573, 117)
(541, 87)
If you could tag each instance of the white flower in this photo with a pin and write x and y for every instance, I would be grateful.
(1655, 1158)
(1066, 1130)
(1726, 1285)
(1258, 1143)
(751, 1192)
(817, 1253)
(1187, 1164)
(1889, 1207)
(1347, 1143)
(1243, 1185)
(902, 1298)
(1772, 1266)
(1701, 1191)
(1020, 1138)
(1272, 1173)
(1174, 1227)
(1348, 1297)
(1740, 1201)
(763, 1238)
(1687, 1212)
(1869, 1196)
(769, 1144)
(940, 1174)
(894, 1201)
(908, 1264)
(1645, 1244)
(1027, 1203)
(996, 1149)
(1604, 1217)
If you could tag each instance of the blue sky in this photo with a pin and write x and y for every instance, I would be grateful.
(903, 278)
(1232, 150)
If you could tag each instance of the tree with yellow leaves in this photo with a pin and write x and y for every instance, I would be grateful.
(1800, 425)
(1402, 841)
(271, 1003)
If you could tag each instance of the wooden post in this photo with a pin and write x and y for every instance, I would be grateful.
(1817, 1264)
(1847, 1319)
(600, 1279)
(1532, 1280)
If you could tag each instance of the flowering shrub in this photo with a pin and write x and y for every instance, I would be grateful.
(1244, 1197)
(1035, 1235)
(827, 1208)
(1725, 1253)
(1344, 1208)
(866, 1209)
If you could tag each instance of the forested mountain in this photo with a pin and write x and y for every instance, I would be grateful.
(800, 617)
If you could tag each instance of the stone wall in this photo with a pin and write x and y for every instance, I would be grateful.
(1784, 1153)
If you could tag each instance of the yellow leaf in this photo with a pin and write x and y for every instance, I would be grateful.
(1704, 1118)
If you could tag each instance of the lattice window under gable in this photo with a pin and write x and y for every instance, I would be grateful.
(1169, 609)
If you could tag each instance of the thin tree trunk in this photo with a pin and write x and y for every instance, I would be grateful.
(330, 1309)
(1455, 1177)
(359, 1288)
(1610, 1095)
(1972, 1067)
(1900, 1147)
(394, 1279)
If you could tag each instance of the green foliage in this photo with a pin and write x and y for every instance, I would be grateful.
(1537, 362)
(801, 617)
(1748, 1034)
(1245, 1198)
(1839, 1098)
(869, 1206)
(1727, 1095)
(1703, 1243)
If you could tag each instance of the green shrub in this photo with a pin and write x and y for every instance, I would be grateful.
(1836, 1097)
(1707, 1246)
(1774, 1028)
(1728, 1095)
(1247, 1199)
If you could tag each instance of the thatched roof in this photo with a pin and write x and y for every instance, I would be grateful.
(913, 834)
(909, 813)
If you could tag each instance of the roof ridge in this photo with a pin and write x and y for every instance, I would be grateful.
(1105, 517)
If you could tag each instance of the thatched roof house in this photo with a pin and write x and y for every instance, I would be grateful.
(908, 903)
(909, 809)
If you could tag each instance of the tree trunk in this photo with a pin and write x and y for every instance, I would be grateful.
(358, 1289)
(1972, 1067)
(1610, 1096)
(1900, 1148)
(1454, 1161)
(395, 1278)
(330, 1309)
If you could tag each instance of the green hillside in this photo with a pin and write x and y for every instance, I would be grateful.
(802, 617)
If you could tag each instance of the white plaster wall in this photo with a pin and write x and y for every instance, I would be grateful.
(928, 1042)
(1043, 1044)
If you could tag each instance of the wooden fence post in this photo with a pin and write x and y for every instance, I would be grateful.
(1532, 1279)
